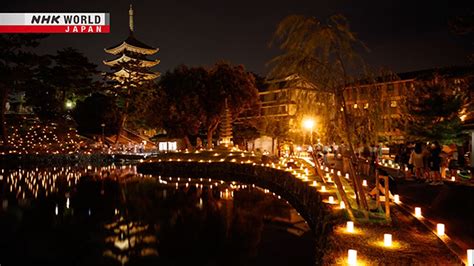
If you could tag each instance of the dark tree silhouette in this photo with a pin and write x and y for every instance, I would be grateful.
(95, 110)
(17, 67)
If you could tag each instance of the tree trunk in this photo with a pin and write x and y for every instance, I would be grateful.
(210, 132)
(273, 146)
(209, 138)
(187, 142)
(3, 126)
(124, 115)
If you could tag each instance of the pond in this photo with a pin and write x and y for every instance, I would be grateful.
(114, 216)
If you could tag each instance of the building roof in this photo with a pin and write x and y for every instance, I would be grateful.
(125, 58)
(133, 45)
(148, 74)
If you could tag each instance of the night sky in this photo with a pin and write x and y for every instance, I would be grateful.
(402, 35)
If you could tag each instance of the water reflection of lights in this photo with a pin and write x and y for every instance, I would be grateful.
(30, 183)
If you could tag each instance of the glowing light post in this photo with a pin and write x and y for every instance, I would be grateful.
(308, 124)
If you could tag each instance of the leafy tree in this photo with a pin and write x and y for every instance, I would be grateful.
(42, 96)
(181, 108)
(96, 110)
(325, 53)
(245, 132)
(68, 75)
(275, 128)
(227, 82)
(74, 74)
(432, 113)
(126, 87)
(17, 67)
(143, 113)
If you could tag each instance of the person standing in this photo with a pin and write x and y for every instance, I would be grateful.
(435, 164)
(418, 161)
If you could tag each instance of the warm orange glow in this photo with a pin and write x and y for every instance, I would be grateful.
(418, 212)
(308, 123)
(350, 227)
(440, 229)
(352, 257)
(387, 240)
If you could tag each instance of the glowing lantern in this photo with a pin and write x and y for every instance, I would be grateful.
(342, 205)
(470, 257)
(347, 175)
(352, 257)
(350, 227)
(396, 198)
(453, 178)
(364, 183)
(314, 183)
(331, 199)
(323, 188)
(440, 229)
(418, 212)
(387, 240)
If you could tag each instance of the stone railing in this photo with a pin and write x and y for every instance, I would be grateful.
(304, 198)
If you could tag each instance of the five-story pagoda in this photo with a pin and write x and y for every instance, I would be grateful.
(131, 69)
(132, 50)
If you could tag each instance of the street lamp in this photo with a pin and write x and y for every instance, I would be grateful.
(308, 124)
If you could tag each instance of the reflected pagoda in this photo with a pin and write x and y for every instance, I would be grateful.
(132, 49)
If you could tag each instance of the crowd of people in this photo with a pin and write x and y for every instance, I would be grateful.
(429, 162)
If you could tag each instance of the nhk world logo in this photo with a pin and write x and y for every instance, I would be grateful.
(54, 22)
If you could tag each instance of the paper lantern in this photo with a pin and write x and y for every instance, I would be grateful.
(342, 205)
(387, 240)
(331, 199)
(350, 227)
(470, 257)
(418, 212)
(440, 229)
(396, 198)
(352, 257)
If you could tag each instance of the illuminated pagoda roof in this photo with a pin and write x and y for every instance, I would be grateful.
(133, 45)
(149, 75)
(133, 49)
(124, 57)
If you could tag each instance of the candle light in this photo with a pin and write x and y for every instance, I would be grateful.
(347, 175)
(323, 188)
(440, 229)
(396, 198)
(314, 183)
(350, 227)
(418, 212)
(387, 240)
(342, 205)
(470, 257)
(331, 199)
(453, 178)
(352, 257)
(364, 183)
